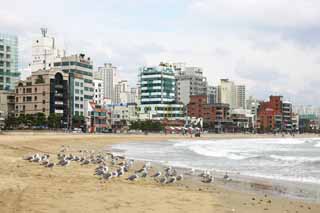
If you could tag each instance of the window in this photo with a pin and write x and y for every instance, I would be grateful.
(76, 91)
(35, 98)
(43, 109)
(44, 93)
(43, 101)
(29, 90)
(35, 106)
(17, 99)
(77, 98)
(35, 89)
(8, 80)
(77, 84)
(8, 49)
(29, 98)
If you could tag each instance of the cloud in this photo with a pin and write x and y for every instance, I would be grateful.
(271, 46)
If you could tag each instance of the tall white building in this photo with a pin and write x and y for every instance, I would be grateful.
(190, 82)
(241, 96)
(98, 95)
(232, 94)
(44, 52)
(121, 92)
(108, 74)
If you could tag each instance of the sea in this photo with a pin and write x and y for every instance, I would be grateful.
(294, 160)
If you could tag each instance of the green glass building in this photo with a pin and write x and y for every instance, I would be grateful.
(9, 73)
(158, 93)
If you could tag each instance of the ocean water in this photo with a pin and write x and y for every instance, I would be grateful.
(287, 159)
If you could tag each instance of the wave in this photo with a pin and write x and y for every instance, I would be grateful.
(295, 158)
(207, 151)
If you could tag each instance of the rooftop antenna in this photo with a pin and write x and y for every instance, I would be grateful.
(44, 32)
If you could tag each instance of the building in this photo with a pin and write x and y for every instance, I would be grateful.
(215, 116)
(45, 91)
(287, 116)
(189, 82)
(158, 94)
(99, 119)
(275, 115)
(121, 92)
(133, 96)
(108, 74)
(9, 73)
(81, 90)
(232, 94)
(212, 93)
(7, 99)
(44, 52)
(98, 95)
(240, 96)
(253, 105)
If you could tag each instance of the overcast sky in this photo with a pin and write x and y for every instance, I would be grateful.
(272, 46)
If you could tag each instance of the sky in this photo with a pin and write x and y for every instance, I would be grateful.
(271, 46)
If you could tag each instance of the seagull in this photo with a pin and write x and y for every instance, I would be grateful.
(163, 180)
(179, 177)
(144, 174)
(226, 177)
(133, 177)
(114, 174)
(50, 165)
(65, 163)
(143, 169)
(172, 180)
(157, 174)
(210, 179)
(107, 176)
(85, 162)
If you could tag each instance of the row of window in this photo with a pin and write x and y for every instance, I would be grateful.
(8, 49)
(29, 99)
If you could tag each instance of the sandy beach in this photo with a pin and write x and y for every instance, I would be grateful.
(28, 187)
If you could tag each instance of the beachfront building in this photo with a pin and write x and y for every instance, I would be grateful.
(7, 99)
(232, 94)
(158, 94)
(253, 104)
(98, 119)
(45, 91)
(108, 74)
(212, 94)
(275, 115)
(189, 82)
(81, 90)
(215, 116)
(98, 95)
(45, 52)
(9, 73)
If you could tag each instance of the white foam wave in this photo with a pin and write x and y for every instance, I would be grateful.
(295, 158)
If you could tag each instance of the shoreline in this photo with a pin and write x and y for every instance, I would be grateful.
(26, 187)
(244, 183)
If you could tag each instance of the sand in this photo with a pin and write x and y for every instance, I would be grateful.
(28, 187)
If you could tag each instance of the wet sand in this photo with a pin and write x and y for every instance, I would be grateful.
(29, 187)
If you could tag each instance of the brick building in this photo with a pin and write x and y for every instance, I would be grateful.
(214, 115)
(275, 115)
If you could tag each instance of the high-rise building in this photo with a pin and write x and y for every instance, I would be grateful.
(121, 92)
(81, 88)
(44, 52)
(98, 91)
(108, 74)
(9, 73)
(232, 94)
(190, 82)
(253, 106)
(158, 94)
(212, 94)
(240, 96)
(45, 91)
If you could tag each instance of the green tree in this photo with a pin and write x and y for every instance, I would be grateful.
(40, 119)
(54, 121)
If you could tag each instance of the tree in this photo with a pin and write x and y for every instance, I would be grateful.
(78, 121)
(40, 119)
(54, 121)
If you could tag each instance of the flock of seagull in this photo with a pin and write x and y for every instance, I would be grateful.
(110, 166)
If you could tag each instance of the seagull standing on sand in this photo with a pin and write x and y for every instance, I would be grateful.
(163, 180)
(180, 177)
(210, 179)
(157, 174)
(172, 179)
(133, 177)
